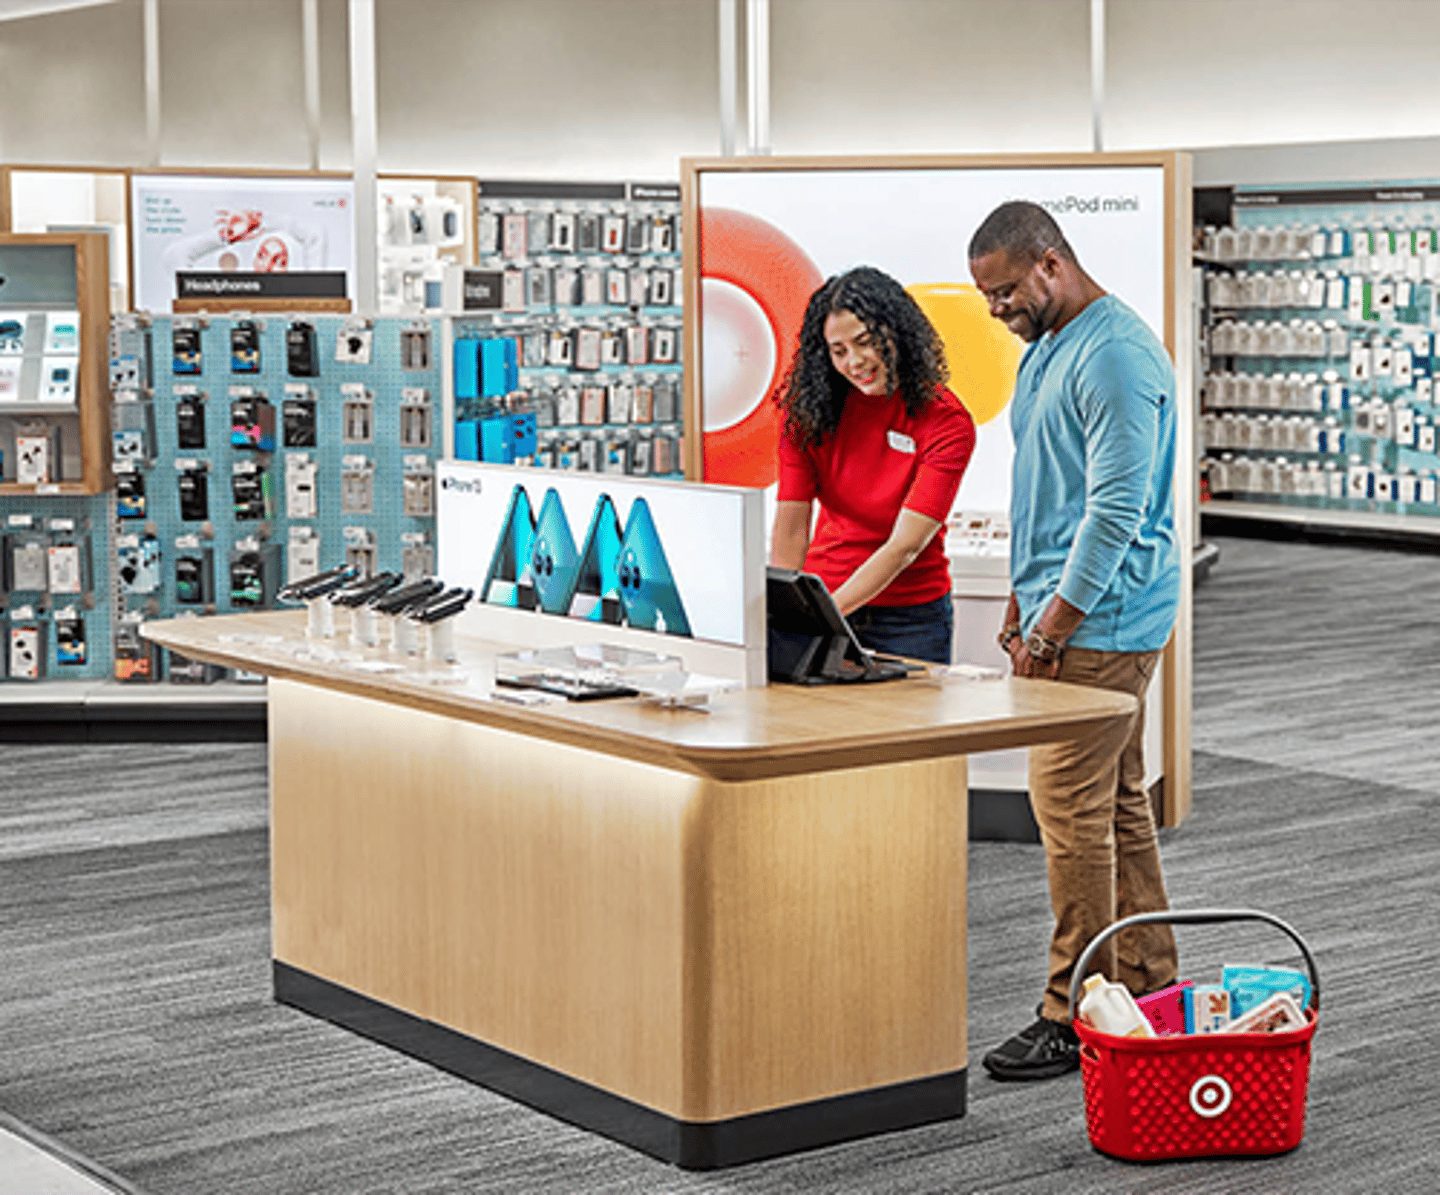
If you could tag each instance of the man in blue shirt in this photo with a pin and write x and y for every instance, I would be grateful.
(1094, 587)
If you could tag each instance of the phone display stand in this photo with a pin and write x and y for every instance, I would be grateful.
(319, 618)
(364, 629)
(440, 641)
(404, 636)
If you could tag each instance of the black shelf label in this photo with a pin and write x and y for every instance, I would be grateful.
(1336, 195)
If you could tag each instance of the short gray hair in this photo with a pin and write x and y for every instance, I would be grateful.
(1023, 230)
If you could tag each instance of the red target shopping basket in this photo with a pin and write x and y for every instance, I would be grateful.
(1201, 1095)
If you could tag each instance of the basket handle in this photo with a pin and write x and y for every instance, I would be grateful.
(1191, 917)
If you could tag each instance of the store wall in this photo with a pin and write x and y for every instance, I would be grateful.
(1238, 72)
(600, 88)
(72, 87)
(547, 88)
(232, 83)
(951, 76)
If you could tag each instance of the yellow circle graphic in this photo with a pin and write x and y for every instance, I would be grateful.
(983, 353)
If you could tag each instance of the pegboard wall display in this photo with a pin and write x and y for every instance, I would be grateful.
(568, 351)
(1320, 370)
(248, 451)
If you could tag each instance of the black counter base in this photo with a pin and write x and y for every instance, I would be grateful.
(688, 1144)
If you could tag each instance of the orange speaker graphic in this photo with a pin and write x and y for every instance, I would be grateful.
(983, 353)
(755, 282)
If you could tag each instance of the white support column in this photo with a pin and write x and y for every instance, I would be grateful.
(1097, 75)
(757, 73)
(152, 82)
(364, 142)
(310, 21)
(729, 72)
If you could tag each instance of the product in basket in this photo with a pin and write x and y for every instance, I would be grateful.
(1250, 986)
(1165, 1009)
(1110, 1008)
(1278, 1014)
(1207, 1008)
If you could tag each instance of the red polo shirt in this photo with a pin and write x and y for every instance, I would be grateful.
(879, 461)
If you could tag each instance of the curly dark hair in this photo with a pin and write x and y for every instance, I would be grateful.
(813, 393)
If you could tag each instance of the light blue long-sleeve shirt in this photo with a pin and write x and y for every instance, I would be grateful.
(1091, 506)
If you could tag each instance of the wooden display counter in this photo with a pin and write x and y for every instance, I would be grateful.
(715, 936)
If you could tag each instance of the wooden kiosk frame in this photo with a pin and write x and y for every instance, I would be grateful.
(715, 937)
(88, 419)
(1172, 793)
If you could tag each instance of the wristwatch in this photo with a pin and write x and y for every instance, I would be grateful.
(1008, 635)
(1046, 651)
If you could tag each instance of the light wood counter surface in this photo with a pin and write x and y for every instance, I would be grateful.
(781, 730)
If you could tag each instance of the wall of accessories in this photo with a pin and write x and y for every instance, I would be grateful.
(248, 450)
(568, 351)
(1318, 353)
(56, 580)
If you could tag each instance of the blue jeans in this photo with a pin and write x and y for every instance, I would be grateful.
(923, 632)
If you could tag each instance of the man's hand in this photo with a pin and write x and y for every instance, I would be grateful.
(1024, 664)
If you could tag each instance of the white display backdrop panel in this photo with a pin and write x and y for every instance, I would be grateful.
(257, 229)
(679, 565)
(762, 234)
(915, 223)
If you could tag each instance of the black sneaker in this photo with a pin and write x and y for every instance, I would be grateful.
(1045, 1050)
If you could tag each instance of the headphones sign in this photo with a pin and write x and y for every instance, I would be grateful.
(233, 239)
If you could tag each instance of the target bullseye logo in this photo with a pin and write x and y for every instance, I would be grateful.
(1210, 1096)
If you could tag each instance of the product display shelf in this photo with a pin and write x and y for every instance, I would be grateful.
(139, 544)
(46, 274)
(69, 710)
(587, 285)
(1380, 524)
(1318, 360)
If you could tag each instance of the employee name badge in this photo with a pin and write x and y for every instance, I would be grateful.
(900, 442)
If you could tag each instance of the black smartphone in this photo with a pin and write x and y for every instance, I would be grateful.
(397, 601)
(444, 605)
(341, 573)
(364, 589)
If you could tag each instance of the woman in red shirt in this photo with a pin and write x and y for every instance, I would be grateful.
(873, 434)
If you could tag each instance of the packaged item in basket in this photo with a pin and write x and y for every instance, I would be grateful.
(1110, 1008)
(1249, 986)
(1278, 1014)
(1165, 1009)
(1207, 1008)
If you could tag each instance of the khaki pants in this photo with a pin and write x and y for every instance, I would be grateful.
(1101, 852)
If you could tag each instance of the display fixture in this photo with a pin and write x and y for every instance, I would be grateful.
(714, 937)
(768, 231)
(424, 225)
(1317, 396)
(53, 308)
(236, 454)
(567, 336)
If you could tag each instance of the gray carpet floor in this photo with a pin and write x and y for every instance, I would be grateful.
(136, 1025)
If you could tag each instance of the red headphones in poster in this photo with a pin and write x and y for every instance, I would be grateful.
(755, 284)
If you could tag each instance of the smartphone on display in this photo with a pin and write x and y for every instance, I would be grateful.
(365, 589)
(398, 601)
(597, 580)
(554, 563)
(341, 574)
(443, 605)
(510, 561)
(647, 587)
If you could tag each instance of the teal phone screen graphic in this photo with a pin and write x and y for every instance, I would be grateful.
(614, 577)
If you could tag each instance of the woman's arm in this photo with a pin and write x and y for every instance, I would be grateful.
(790, 536)
(908, 538)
